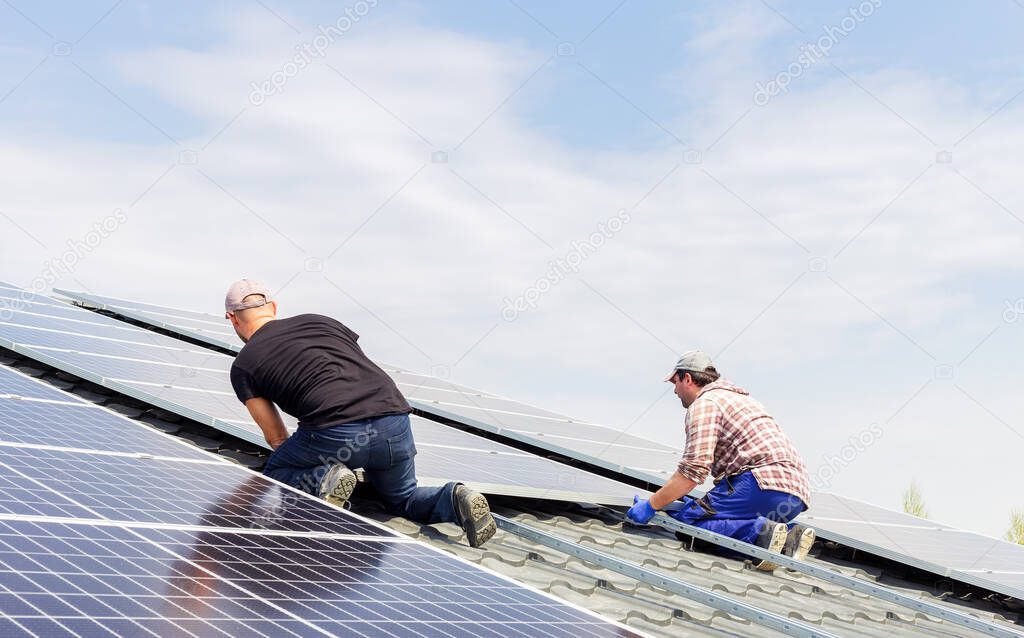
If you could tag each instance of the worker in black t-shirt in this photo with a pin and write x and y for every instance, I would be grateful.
(350, 412)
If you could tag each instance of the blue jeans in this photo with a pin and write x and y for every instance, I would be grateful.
(738, 508)
(383, 447)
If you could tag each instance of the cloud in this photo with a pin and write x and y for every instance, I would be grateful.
(330, 191)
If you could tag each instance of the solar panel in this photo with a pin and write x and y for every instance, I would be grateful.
(33, 413)
(983, 561)
(194, 382)
(171, 492)
(63, 579)
(17, 384)
(596, 444)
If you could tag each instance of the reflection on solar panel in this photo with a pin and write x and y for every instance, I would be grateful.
(99, 542)
(62, 579)
(155, 490)
(979, 560)
(194, 382)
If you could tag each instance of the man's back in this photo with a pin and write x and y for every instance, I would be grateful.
(743, 436)
(313, 368)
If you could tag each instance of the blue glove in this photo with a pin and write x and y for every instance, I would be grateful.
(641, 512)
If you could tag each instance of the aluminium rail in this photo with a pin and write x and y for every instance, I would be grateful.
(865, 587)
(707, 597)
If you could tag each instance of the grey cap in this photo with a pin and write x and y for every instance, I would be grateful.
(692, 361)
(235, 299)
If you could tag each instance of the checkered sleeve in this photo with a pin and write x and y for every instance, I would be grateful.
(703, 419)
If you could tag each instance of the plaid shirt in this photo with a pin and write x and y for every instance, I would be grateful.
(728, 433)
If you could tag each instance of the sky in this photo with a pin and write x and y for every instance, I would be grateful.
(552, 201)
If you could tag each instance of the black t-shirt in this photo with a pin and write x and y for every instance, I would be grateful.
(312, 367)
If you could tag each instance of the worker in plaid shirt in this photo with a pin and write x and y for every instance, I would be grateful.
(761, 483)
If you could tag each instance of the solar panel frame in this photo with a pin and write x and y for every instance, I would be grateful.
(1005, 581)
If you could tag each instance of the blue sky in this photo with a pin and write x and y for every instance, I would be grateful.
(328, 192)
(639, 51)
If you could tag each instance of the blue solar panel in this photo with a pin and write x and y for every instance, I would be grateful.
(18, 384)
(34, 413)
(23, 496)
(83, 425)
(141, 490)
(87, 580)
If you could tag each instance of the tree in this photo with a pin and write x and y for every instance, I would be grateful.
(913, 501)
(1016, 532)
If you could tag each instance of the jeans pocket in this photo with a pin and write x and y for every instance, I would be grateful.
(401, 447)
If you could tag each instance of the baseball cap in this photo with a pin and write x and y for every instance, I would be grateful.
(693, 361)
(241, 289)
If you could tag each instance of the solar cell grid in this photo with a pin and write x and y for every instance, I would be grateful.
(76, 580)
(371, 587)
(18, 384)
(21, 496)
(141, 490)
(88, 580)
(83, 425)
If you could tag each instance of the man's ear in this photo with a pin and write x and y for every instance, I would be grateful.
(273, 304)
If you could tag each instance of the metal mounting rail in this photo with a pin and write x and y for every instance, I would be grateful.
(865, 587)
(707, 597)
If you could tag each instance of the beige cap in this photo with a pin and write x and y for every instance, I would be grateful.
(692, 361)
(241, 289)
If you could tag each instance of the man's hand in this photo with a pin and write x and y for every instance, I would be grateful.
(641, 512)
(276, 443)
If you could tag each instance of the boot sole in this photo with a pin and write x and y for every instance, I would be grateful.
(477, 521)
(779, 534)
(342, 489)
(803, 547)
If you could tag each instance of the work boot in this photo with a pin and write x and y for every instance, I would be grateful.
(337, 485)
(773, 538)
(474, 515)
(799, 542)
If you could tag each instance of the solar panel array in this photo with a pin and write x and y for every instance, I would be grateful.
(596, 444)
(983, 561)
(143, 534)
(194, 382)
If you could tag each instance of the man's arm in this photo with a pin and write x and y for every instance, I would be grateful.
(677, 487)
(701, 437)
(265, 414)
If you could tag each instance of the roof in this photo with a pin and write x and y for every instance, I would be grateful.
(646, 608)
